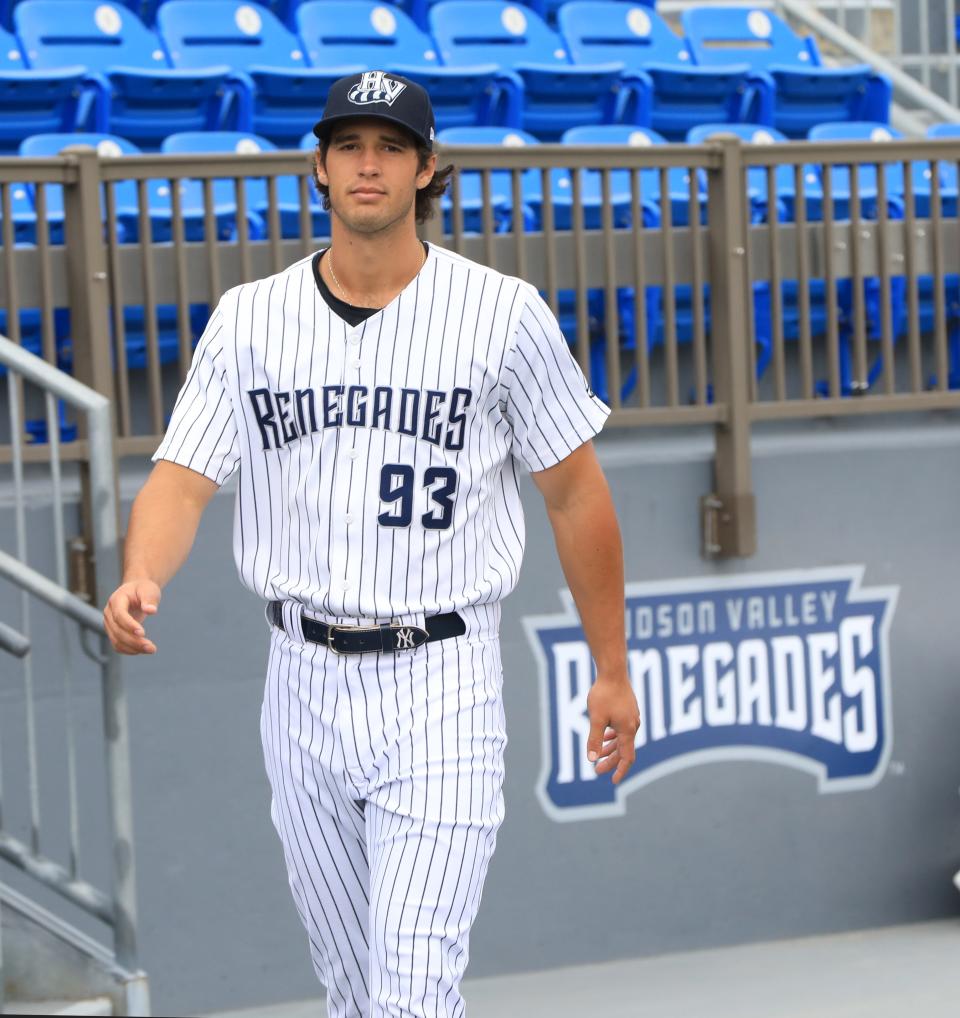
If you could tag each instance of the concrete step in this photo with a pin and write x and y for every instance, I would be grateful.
(93, 1006)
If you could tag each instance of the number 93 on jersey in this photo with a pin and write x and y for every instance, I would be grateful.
(403, 493)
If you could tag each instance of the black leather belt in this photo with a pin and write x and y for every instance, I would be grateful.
(385, 639)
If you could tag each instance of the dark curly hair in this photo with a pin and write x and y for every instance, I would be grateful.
(427, 197)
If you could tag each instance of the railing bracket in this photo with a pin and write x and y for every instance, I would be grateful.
(728, 525)
(81, 576)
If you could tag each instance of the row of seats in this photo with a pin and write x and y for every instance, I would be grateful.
(786, 198)
(285, 10)
(23, 197)
(786, 201)
(217, 63)
(561, 193)
(160, 202)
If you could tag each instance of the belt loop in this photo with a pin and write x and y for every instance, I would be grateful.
(292, 612)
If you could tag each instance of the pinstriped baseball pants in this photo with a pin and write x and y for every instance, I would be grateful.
(386, 774)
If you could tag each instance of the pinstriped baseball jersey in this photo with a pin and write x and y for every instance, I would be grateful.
(378, 463)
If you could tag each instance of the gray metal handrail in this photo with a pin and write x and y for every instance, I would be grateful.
(118, 908)
(13, 642)
(905, 86)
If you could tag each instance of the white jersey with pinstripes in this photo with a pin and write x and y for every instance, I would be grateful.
(378, 463)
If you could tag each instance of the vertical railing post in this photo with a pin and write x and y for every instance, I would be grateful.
(116, 727)
(88, 289)
(729, 511)
(89, 310)
(87, 273)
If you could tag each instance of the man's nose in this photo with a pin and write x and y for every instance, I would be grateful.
(369, 163)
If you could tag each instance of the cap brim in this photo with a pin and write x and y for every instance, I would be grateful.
(323, 127)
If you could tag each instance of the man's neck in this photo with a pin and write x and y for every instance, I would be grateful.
(371, 271)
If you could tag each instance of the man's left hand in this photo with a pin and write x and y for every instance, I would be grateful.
(614, 720)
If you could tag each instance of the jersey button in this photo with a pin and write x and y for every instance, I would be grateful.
(355, 365)
(353, 454)
(348, 519)
(355, 340)
(346, 586)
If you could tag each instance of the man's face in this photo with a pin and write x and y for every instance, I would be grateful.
(372, 173)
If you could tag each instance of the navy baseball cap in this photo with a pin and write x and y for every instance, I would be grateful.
(378, 94)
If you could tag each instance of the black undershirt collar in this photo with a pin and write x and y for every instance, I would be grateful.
(350, 313)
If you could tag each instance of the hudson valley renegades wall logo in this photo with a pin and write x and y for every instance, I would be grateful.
(786, 667)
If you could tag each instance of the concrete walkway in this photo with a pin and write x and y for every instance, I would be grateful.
(898, 972)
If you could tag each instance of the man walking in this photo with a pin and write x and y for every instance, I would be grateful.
(376, 398)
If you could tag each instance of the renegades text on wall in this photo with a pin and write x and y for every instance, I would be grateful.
(786, 667)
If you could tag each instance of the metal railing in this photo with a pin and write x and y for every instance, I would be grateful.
(924, 38)
(726, 305)
(115, 907)
(921, 58)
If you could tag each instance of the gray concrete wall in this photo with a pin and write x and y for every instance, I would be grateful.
(724, 852)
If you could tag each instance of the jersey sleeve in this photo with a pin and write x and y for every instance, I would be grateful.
(549, 403)
(202, 433)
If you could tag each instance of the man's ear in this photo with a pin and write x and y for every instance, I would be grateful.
(321, 172)
(426, 174)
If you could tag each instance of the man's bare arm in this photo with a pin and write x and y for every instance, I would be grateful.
(588, 541)
(163, 525)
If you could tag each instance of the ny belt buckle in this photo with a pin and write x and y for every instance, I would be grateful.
(405, 637)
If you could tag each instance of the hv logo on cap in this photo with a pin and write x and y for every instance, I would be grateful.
(375, 87)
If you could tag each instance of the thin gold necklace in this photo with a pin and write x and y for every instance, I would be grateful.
(343, 292)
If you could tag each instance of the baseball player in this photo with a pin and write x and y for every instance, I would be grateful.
(377, 398)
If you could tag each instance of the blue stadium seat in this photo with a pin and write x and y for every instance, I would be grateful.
(550, 9)
(807, 93)
(678, 184)
(125, 192)
(947, 172)
(672, 94)
(621, 198)
(275, 91)
(926, 285)
(762, 134)
(137, 94)
(419, 10)
(24, 226)
(126, 197)
(257, 195)
(759, 134)
(561, 193)
(556, 93)
(785, 205)
(142, 8)
(501, 186)
(34, 100)
(867, 173)
(197, 33)
(620, 186)
(363, 34)
(867, 199)
(501, 201)
(127, 206)
(22, 215)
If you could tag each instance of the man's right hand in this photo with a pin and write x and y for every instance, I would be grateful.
(128, 606)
